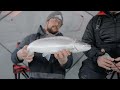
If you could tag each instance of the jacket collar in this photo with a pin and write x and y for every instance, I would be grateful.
(101, 13)
(106, 13)
(41, 31)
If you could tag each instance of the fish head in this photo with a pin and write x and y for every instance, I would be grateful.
(81, 46)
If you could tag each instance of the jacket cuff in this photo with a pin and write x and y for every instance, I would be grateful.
(17, 59)
(97, 55)
(67, 64)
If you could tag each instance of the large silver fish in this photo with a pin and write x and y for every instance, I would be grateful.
(51, 45)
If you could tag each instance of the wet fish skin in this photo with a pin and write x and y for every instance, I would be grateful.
(50, 45)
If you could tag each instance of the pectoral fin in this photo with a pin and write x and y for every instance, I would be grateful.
(47, 56)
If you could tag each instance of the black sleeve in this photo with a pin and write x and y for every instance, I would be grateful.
(69, 62)
(89, 37)
(24, 42)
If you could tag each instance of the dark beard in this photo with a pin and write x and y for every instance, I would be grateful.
(51, 31)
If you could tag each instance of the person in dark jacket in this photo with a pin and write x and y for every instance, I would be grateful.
(103, 34)
(40, 67)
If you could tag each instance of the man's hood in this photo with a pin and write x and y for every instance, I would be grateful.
(41, 31)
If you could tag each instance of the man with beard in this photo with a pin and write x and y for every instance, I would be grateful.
(103, 33)
(41, 67)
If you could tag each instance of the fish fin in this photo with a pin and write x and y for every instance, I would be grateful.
(47, 56)
(44, 54)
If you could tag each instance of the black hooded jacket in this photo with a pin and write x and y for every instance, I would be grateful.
(39, 63)
(108, 34)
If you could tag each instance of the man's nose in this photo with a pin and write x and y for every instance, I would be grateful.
(55, 27)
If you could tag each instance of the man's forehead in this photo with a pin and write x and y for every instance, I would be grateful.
(56, 19)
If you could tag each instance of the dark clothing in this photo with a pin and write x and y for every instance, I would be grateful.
(39, 63)
(90, 70)
(109, 35)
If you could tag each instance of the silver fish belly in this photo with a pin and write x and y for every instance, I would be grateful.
(54, 44)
